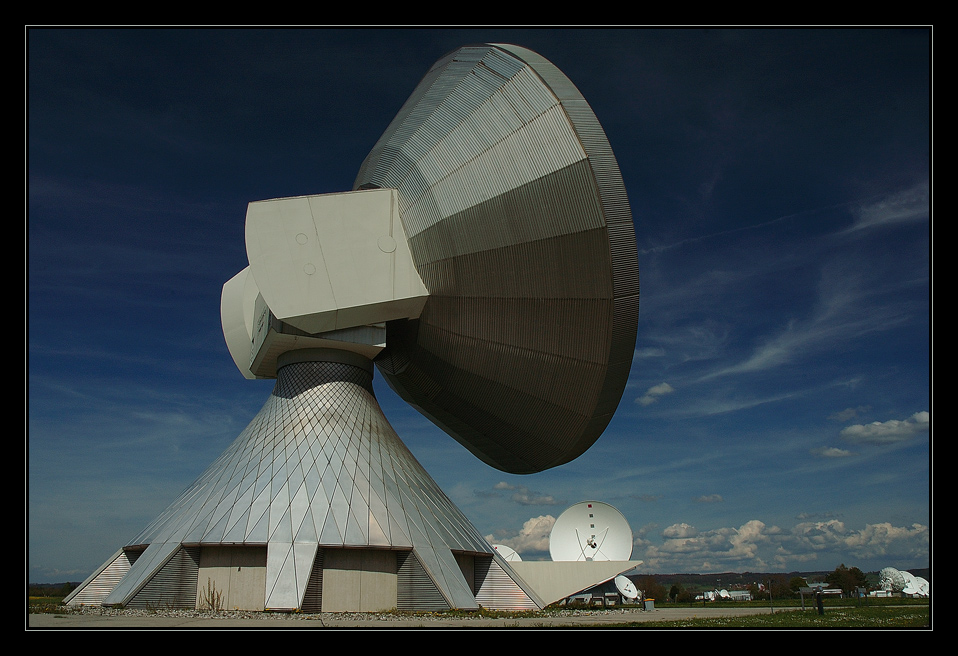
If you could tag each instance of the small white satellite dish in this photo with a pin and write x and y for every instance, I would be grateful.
(507, 553)
(911, 585)
(590, 530)
(626, 587)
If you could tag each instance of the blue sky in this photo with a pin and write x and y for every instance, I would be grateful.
(777, 417)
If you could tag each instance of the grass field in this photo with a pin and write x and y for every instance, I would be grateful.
(879, 617)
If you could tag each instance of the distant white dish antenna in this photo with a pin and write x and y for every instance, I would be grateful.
(914, 585)
(891, 579)
(894, 580)
(507, 553)
(626, 587)
(590, 530)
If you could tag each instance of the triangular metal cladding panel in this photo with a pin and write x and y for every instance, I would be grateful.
(149, 563)
(307, 531)
(259, 531)
(288, 568)
(237, 534)
(379, 525)
(331, 533)
(299, 510)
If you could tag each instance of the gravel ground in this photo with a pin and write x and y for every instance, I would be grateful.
(111, 618)
(99, 611)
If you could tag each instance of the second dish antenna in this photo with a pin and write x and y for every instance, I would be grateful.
(591, 530)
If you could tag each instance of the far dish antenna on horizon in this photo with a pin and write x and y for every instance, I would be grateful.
(590, 530)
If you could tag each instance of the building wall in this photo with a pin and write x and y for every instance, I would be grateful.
(353, 580)
(238, 574)
(359, 580)
(468, 566)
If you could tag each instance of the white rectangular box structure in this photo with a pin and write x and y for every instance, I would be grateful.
(333, 261)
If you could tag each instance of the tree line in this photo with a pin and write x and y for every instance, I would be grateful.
(781, 586)
(50, 589)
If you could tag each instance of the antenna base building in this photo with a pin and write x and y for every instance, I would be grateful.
(316, 506)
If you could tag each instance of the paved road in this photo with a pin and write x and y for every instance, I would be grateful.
(366, 621)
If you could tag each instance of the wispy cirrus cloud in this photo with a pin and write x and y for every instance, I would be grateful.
(709, 498)
(908, 205)
(526, 497)
(849, 304)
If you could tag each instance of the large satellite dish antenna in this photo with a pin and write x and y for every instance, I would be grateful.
(626, 587)
(590, 530)
(518, 222)
(485, 262)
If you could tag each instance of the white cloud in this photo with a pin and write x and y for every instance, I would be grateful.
(832, 452)
(888, 432)
(756, 546)
(875, 540)
(685, 549)
(532, 538)
(679, 531)
(880, 539)
(709, 498)
(653, 393)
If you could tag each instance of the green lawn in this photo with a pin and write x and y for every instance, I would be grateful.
(875, 617)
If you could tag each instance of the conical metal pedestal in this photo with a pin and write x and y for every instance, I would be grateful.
(318, 477)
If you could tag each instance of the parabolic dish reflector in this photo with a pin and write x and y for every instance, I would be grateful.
(911, 585)
(590, 530)
(520, 228)
(626, 587)
(891, 579)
